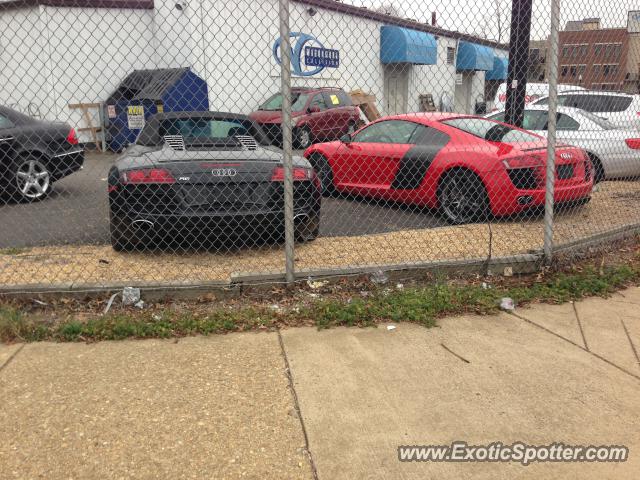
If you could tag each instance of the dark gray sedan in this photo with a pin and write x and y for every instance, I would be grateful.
(34, 154)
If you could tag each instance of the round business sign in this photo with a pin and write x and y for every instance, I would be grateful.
(298, 42)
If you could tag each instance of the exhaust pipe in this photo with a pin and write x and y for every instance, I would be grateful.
(147, 224)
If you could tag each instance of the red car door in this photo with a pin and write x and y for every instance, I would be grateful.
(338, 114)
(319, 121)
(368, 164)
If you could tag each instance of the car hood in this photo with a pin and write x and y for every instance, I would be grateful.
(270, 116)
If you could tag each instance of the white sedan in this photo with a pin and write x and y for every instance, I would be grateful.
(614, 151)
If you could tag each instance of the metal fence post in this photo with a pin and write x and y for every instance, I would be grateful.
(551, 131)
(287, 141)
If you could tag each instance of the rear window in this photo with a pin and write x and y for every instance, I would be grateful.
(490, 130)
(595, 103)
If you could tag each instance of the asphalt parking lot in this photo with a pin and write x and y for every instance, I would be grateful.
(77, 213)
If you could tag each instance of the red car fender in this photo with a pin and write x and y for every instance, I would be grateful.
(325, 149)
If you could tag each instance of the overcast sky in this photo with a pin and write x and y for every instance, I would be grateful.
(478, 16)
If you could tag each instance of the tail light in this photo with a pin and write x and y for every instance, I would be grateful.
(148, 175)
(633, 143)
(522, 162)
(298, 174)
(72, 138)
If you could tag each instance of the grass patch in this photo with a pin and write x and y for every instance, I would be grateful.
(422, 305)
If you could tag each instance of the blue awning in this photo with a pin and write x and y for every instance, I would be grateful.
(472, 56)
(499, 70)
(401, 45)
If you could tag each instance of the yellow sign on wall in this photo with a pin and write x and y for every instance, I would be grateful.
(135, 117)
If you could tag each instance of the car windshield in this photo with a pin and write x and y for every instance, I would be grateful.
(298, 102)
(490, 130)
(204, 128)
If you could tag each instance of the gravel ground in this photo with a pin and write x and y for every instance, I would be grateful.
(610, 208)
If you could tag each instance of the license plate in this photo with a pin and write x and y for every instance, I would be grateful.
(565, 172)
(223, 194)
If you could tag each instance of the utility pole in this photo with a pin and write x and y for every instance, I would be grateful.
(518, 60)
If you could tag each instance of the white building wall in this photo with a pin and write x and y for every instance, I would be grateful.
(438, 79)
(54, 56)
(91, 51)
(237, 56)
(25, 80)
(477, 90)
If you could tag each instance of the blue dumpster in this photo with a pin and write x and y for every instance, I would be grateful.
(146, 92)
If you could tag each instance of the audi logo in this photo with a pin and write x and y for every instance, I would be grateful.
(224, 172)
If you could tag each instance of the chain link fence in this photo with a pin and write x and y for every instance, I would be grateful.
(186, 142)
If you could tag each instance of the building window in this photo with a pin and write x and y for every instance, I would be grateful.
(564, 70)
(609, 70)
(597, 48)
(584, 48)
(596, 70)
(617, 50)
(565, 51)
(608, 52)
(451, 55)
(573, 70)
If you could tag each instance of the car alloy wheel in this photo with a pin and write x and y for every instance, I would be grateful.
(33, 179)
(463, 198)
(303, 137)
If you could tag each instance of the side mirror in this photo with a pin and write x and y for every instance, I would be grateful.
(346, 138)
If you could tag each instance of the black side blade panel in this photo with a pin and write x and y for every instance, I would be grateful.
(416, 162)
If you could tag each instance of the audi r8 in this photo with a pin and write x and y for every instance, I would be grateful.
(206, 176)
(34, 154)
(467, 166)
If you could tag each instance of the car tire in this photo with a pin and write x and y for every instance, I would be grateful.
(598, 169)
(302, 138)
(325, 174)
(124, 237)
(308, 231)
(31, 179)
(463, 197)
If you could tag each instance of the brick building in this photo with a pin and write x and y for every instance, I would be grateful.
(593, 57)
(599, 58)
(538, 50)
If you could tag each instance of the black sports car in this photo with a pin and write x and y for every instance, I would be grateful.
(34, 154)
(198, 177)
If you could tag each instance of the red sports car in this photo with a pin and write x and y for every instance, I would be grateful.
(467, 166)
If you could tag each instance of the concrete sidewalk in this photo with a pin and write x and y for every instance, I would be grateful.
(221, 406)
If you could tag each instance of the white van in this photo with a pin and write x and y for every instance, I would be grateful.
(534, 92)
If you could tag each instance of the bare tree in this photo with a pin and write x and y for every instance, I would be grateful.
(495, 24)
(388, 8)
(501, 17)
